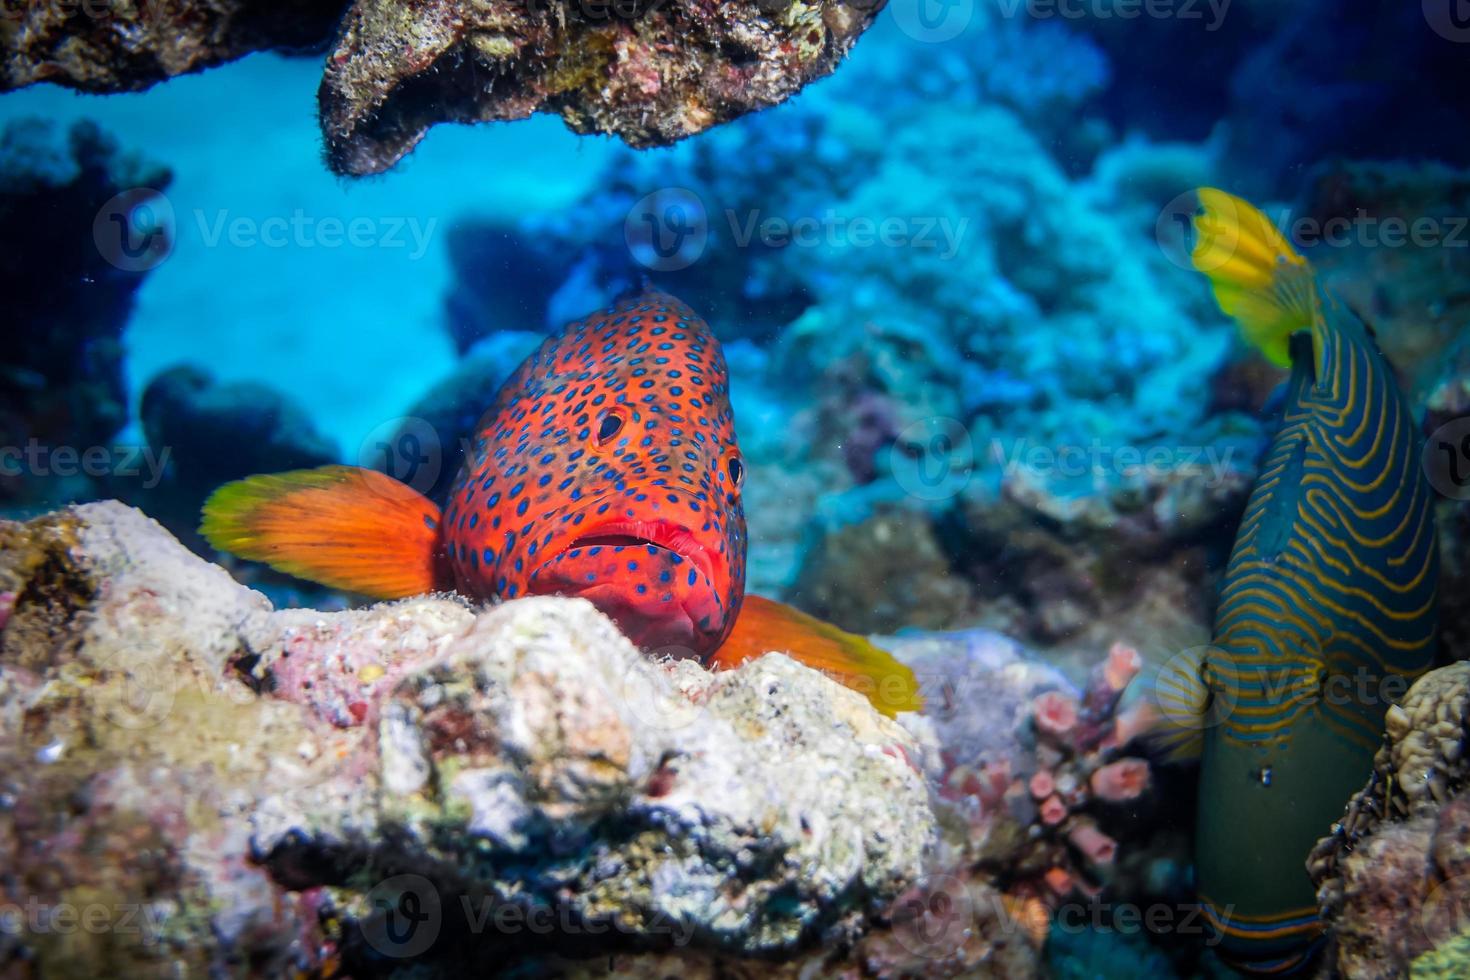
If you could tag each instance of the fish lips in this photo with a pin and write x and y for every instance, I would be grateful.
(655, 579)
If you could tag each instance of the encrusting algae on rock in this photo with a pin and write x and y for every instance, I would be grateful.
(1393, 877)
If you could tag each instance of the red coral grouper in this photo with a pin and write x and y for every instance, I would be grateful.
(607, 468)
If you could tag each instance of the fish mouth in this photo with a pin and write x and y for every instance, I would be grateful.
(654, 534)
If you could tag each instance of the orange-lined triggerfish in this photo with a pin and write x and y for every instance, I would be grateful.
(606, 468)
(1328, 607)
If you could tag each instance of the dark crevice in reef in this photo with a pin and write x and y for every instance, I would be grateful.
(406, 112)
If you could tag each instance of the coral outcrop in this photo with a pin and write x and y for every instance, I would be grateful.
(1394, 877)
(886, 571)
(116, 47)
(416, 782)
(1039, 777)
(78, 203)
(649, 73)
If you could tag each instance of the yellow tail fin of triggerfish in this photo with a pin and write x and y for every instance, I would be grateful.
(1257, 277)
(764, 626)
(342, 526)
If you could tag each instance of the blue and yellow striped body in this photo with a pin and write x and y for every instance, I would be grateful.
(1327, 613)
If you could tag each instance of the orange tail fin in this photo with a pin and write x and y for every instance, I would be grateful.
(764, 626)
(342, 526)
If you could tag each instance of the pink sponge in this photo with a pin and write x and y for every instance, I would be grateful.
(1116, 782)
(1097, 847)
(1055, 714)
(1123, 664)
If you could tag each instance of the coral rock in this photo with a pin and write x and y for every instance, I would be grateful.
(67, 293)
(649, 73)
(115, 47)
(271, 787)
(1393, 879)
(884, 573)
(1017, 769)
(1120, 781)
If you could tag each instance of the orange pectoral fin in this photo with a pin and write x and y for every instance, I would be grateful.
(764, 626)
(342, 526)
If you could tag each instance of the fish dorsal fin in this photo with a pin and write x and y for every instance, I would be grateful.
(765, 626)
(1258, 278)
(342, 526)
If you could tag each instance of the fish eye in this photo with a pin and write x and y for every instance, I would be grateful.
(737, 471)
(610, 426)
